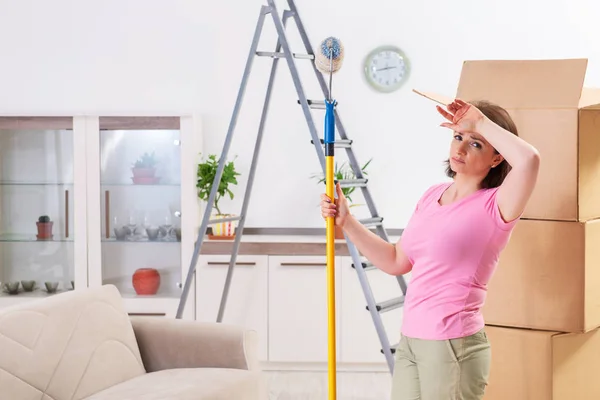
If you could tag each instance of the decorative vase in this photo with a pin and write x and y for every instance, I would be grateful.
(146, 281)
(139, 172)
(44, 230)
(144, 176)
(223, 230)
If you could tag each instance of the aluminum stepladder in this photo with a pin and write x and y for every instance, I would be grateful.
(283, 50)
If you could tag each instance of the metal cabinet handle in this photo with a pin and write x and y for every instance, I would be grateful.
(227, 263)
(107, 213)
(66, 213)
(303, 264)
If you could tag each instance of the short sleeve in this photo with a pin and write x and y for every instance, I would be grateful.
(491, 206)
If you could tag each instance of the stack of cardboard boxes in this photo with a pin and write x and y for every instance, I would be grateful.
(543, 306)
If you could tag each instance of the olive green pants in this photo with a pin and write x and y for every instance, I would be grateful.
(455, 369)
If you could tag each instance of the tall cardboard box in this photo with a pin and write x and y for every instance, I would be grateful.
(548, 278)
(541, 365)
(557, 115)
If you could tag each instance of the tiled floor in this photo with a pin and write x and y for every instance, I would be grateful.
(293, 385)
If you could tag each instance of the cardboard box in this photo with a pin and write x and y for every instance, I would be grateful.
(557, 115)
(541, 365)
(548, 278)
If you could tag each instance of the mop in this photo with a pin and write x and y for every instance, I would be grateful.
(328, 59)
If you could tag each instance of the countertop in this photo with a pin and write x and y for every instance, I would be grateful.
(277, 245)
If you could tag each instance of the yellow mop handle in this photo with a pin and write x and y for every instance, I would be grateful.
(330, 191)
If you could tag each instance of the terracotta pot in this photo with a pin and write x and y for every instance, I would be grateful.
(339, 233)
(143, 172)
(146, 281)
(44, 230)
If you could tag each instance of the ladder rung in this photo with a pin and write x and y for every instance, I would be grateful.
(389, 305)
(375, 221)
(353, 182)
(216, 221)
(367, 266)
(274, 54)
(317, 104)
(339, 143)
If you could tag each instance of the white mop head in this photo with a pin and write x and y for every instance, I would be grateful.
(329, 48)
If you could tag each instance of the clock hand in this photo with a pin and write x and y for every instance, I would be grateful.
(384, 68)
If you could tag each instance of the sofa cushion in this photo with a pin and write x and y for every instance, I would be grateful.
(189, 384)
(67, 346)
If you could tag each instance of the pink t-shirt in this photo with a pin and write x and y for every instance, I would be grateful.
(454, 250)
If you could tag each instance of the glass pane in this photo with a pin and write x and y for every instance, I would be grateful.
(36, 210)
(141, 235)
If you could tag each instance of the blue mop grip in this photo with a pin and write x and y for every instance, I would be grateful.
(329, 134)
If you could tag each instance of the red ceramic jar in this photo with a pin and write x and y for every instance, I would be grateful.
(146, 281)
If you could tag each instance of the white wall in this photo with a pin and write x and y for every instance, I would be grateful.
(179, 56)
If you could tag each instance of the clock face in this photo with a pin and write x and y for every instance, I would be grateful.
(386, 68)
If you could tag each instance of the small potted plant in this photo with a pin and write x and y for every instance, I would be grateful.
(44, 228)
(144, 169)
(344, 172)
(206, 172)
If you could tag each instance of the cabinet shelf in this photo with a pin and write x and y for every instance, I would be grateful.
(36, 293)
(24, 238)
(120, 184)
(12, 299)
(162, 294)
(34, 183)
(141, 240)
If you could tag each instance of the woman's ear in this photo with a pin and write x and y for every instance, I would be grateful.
(497, 160)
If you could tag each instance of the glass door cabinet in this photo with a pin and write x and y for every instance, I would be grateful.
(137, 239)
(40, 241)
(89, 201)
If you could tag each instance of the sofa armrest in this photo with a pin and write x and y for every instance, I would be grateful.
(175, 343)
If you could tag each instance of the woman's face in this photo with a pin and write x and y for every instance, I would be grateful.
(471, 154)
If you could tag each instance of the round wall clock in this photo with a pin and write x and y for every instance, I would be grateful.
(386, 68)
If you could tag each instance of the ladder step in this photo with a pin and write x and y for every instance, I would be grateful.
(367, 266)
(216, 221)
(389, 305)
(339, 143)
(375, 221)
(353, 182)
(274, 54)
(317, 104)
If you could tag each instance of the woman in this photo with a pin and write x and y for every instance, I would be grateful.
(451, 244)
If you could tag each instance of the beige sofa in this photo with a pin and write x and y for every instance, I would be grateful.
(83, 345)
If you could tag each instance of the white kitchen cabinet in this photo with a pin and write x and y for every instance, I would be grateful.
(359, 340)
(247, 301)
(298, 311)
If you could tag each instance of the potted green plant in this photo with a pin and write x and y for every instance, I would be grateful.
(344, 172)
(44, 228)
(207, 170)
(144, 169)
